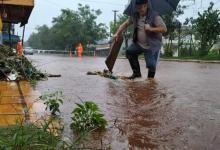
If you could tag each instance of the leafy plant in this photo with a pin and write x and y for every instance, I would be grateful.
(87, 117)
(53, 101)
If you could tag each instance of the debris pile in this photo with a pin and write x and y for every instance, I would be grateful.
(13, 67)
(107, 74)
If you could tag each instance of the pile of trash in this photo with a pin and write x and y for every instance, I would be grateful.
(13, 67)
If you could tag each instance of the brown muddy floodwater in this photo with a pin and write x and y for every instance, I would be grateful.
(178, 110)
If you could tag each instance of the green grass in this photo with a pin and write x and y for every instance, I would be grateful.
(29, 137)
(32, 137)
(194, 58)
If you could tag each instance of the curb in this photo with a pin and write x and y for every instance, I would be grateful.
(184, 60)
(195, 61)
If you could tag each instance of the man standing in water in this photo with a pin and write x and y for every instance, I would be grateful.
(147, 38)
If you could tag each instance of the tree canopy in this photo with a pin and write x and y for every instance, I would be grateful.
(207, 28)
(69, 29)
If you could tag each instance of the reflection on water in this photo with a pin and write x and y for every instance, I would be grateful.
(138, 107)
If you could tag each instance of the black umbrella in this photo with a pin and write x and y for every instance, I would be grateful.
(161, 6)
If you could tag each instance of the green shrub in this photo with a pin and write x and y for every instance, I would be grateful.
(168, 51)
(53, 101)
(213, 55)
(184, 52)
(87, 117)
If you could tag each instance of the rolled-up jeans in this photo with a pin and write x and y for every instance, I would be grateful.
(151, 57)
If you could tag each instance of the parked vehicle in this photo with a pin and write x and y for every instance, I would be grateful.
(28, 51)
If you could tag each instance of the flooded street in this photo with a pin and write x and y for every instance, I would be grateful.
(178, 110)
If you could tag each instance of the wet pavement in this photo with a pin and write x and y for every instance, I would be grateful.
(178, 110)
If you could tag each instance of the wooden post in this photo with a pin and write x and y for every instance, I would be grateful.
(9, 33)
(23, 35)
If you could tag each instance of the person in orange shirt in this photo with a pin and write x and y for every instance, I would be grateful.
(19, 48)
(80, 50)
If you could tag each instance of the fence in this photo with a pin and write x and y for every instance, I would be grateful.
(99, 52)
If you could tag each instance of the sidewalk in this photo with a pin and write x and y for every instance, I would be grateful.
(17, 102)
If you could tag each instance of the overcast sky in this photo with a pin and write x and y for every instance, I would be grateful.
(45, 10)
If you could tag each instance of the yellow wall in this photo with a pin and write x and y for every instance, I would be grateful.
(1, 25)
(19, 2)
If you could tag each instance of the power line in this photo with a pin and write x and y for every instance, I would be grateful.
(109, 3)
(86, 1)
(54, 3)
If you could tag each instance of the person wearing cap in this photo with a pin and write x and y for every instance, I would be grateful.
(147, 38)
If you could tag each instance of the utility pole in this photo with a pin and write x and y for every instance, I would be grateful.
(179, 38)
(115, 16)
(115, 19)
